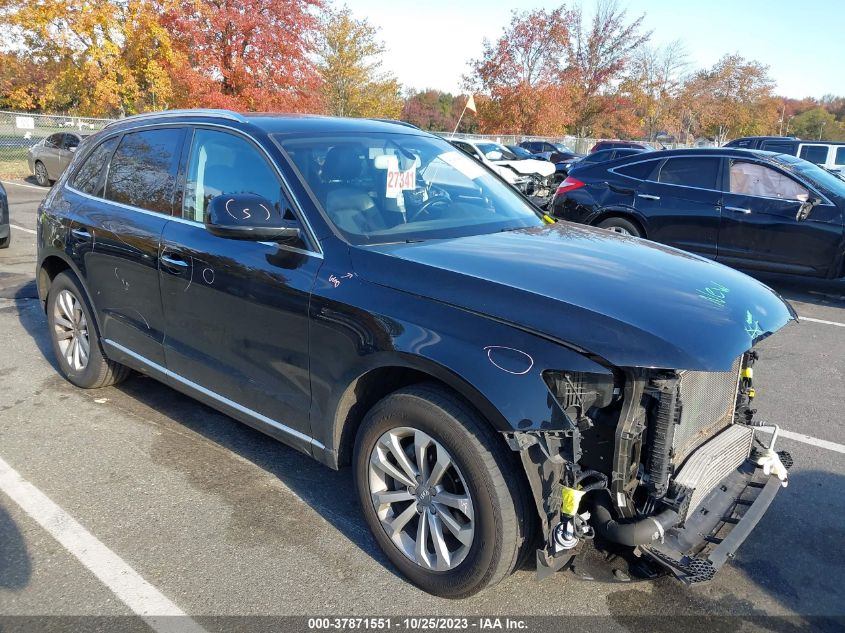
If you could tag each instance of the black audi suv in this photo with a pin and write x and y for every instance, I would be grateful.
(502, 386)
(758, 211)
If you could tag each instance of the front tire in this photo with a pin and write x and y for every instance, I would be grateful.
(76, 342)
(439, 491)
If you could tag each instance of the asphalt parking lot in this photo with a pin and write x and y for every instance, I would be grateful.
(220, 520)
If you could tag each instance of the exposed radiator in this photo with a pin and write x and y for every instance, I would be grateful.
(714, 461)
(708, 400)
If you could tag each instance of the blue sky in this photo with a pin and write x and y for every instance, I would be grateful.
(803, 43)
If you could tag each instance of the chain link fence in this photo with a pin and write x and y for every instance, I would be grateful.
(19, 131)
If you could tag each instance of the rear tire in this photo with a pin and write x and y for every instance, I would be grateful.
(74, 336)
(41, 175)
(481, 473)
(621, 226)
(4, 243)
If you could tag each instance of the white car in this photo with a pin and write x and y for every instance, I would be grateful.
(534, 178)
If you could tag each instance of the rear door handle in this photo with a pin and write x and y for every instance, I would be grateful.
(648, 196)
(81, 234)
(738, 210)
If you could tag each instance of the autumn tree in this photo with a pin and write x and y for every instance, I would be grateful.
(432, 109)
(107, 57)
(654, 82)
(21, 81)
(354, 83)
(733, 98)
(245, 54)
(598, 55)
(519, 74)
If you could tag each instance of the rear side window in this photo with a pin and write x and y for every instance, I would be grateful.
(88, 176)
(814, 153)
(778, 146)
(640, 171)
(690, 172)
(222, 163)
(143, 170)
(840, 156)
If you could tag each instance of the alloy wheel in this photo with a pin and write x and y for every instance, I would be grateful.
(421, 499)
(618, 229)
(41, 175)
(70, 327)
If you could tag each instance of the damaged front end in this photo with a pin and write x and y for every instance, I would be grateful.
(658, 470)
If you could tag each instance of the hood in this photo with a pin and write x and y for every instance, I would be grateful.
(530, 166)
(632, 302)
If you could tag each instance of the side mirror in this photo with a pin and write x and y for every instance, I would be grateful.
(245, 216)
(806, 208)
(494, 154)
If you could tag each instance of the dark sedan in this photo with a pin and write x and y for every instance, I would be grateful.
(754, 210)
(555, 152)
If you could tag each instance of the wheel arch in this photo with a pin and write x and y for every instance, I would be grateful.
(48, 269)
(626, 214)
(377, 382)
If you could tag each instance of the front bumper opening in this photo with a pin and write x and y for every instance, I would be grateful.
(714, 530)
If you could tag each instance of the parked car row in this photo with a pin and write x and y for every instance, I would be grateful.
(827, 154)
(504, 387)
(751, 209)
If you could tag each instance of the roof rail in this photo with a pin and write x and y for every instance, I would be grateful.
(397, 122)
(219, 114)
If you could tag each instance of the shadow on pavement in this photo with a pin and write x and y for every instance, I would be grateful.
(15, 566)
(260, 515)
(33, 319)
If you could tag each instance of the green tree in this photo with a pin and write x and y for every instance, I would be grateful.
(354, 83)
(817, 124)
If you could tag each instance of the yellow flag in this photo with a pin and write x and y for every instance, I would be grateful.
(471, 104)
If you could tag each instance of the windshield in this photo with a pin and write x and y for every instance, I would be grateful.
(380, 188)
(814, 173)
(486, 148)
(562, 148)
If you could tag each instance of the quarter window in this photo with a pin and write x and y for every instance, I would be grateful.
(223, 163)
(88, 177)
(690, 172)
(753, 179)
(143, 170)
(814, 153)
(640, 171)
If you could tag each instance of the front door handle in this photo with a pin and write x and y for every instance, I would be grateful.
(648, 196)
(81, 234)
(738, 210)
(174, 263)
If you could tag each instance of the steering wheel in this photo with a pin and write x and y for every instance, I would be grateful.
(427, 205)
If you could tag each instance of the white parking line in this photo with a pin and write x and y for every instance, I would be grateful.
(806, 439)
(20, 184)
(20, 228)
(836, 323)
(135, 592)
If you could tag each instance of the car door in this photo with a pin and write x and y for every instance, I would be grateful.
(65, 153)
(49, 155)
(681, 202)
(236, 311)
(760, 228)
(119, 214)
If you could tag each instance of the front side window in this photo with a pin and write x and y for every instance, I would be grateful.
(378, 188)
(840, 156)
(690, 172)
(814, 153)
(88, 177)
(71, 141)
(753, 179)
(222, 163)
(143, 170)
(54, 140)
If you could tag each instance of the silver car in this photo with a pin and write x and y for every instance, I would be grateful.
(51, 156)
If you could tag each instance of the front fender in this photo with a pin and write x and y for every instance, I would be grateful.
(492, 364)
